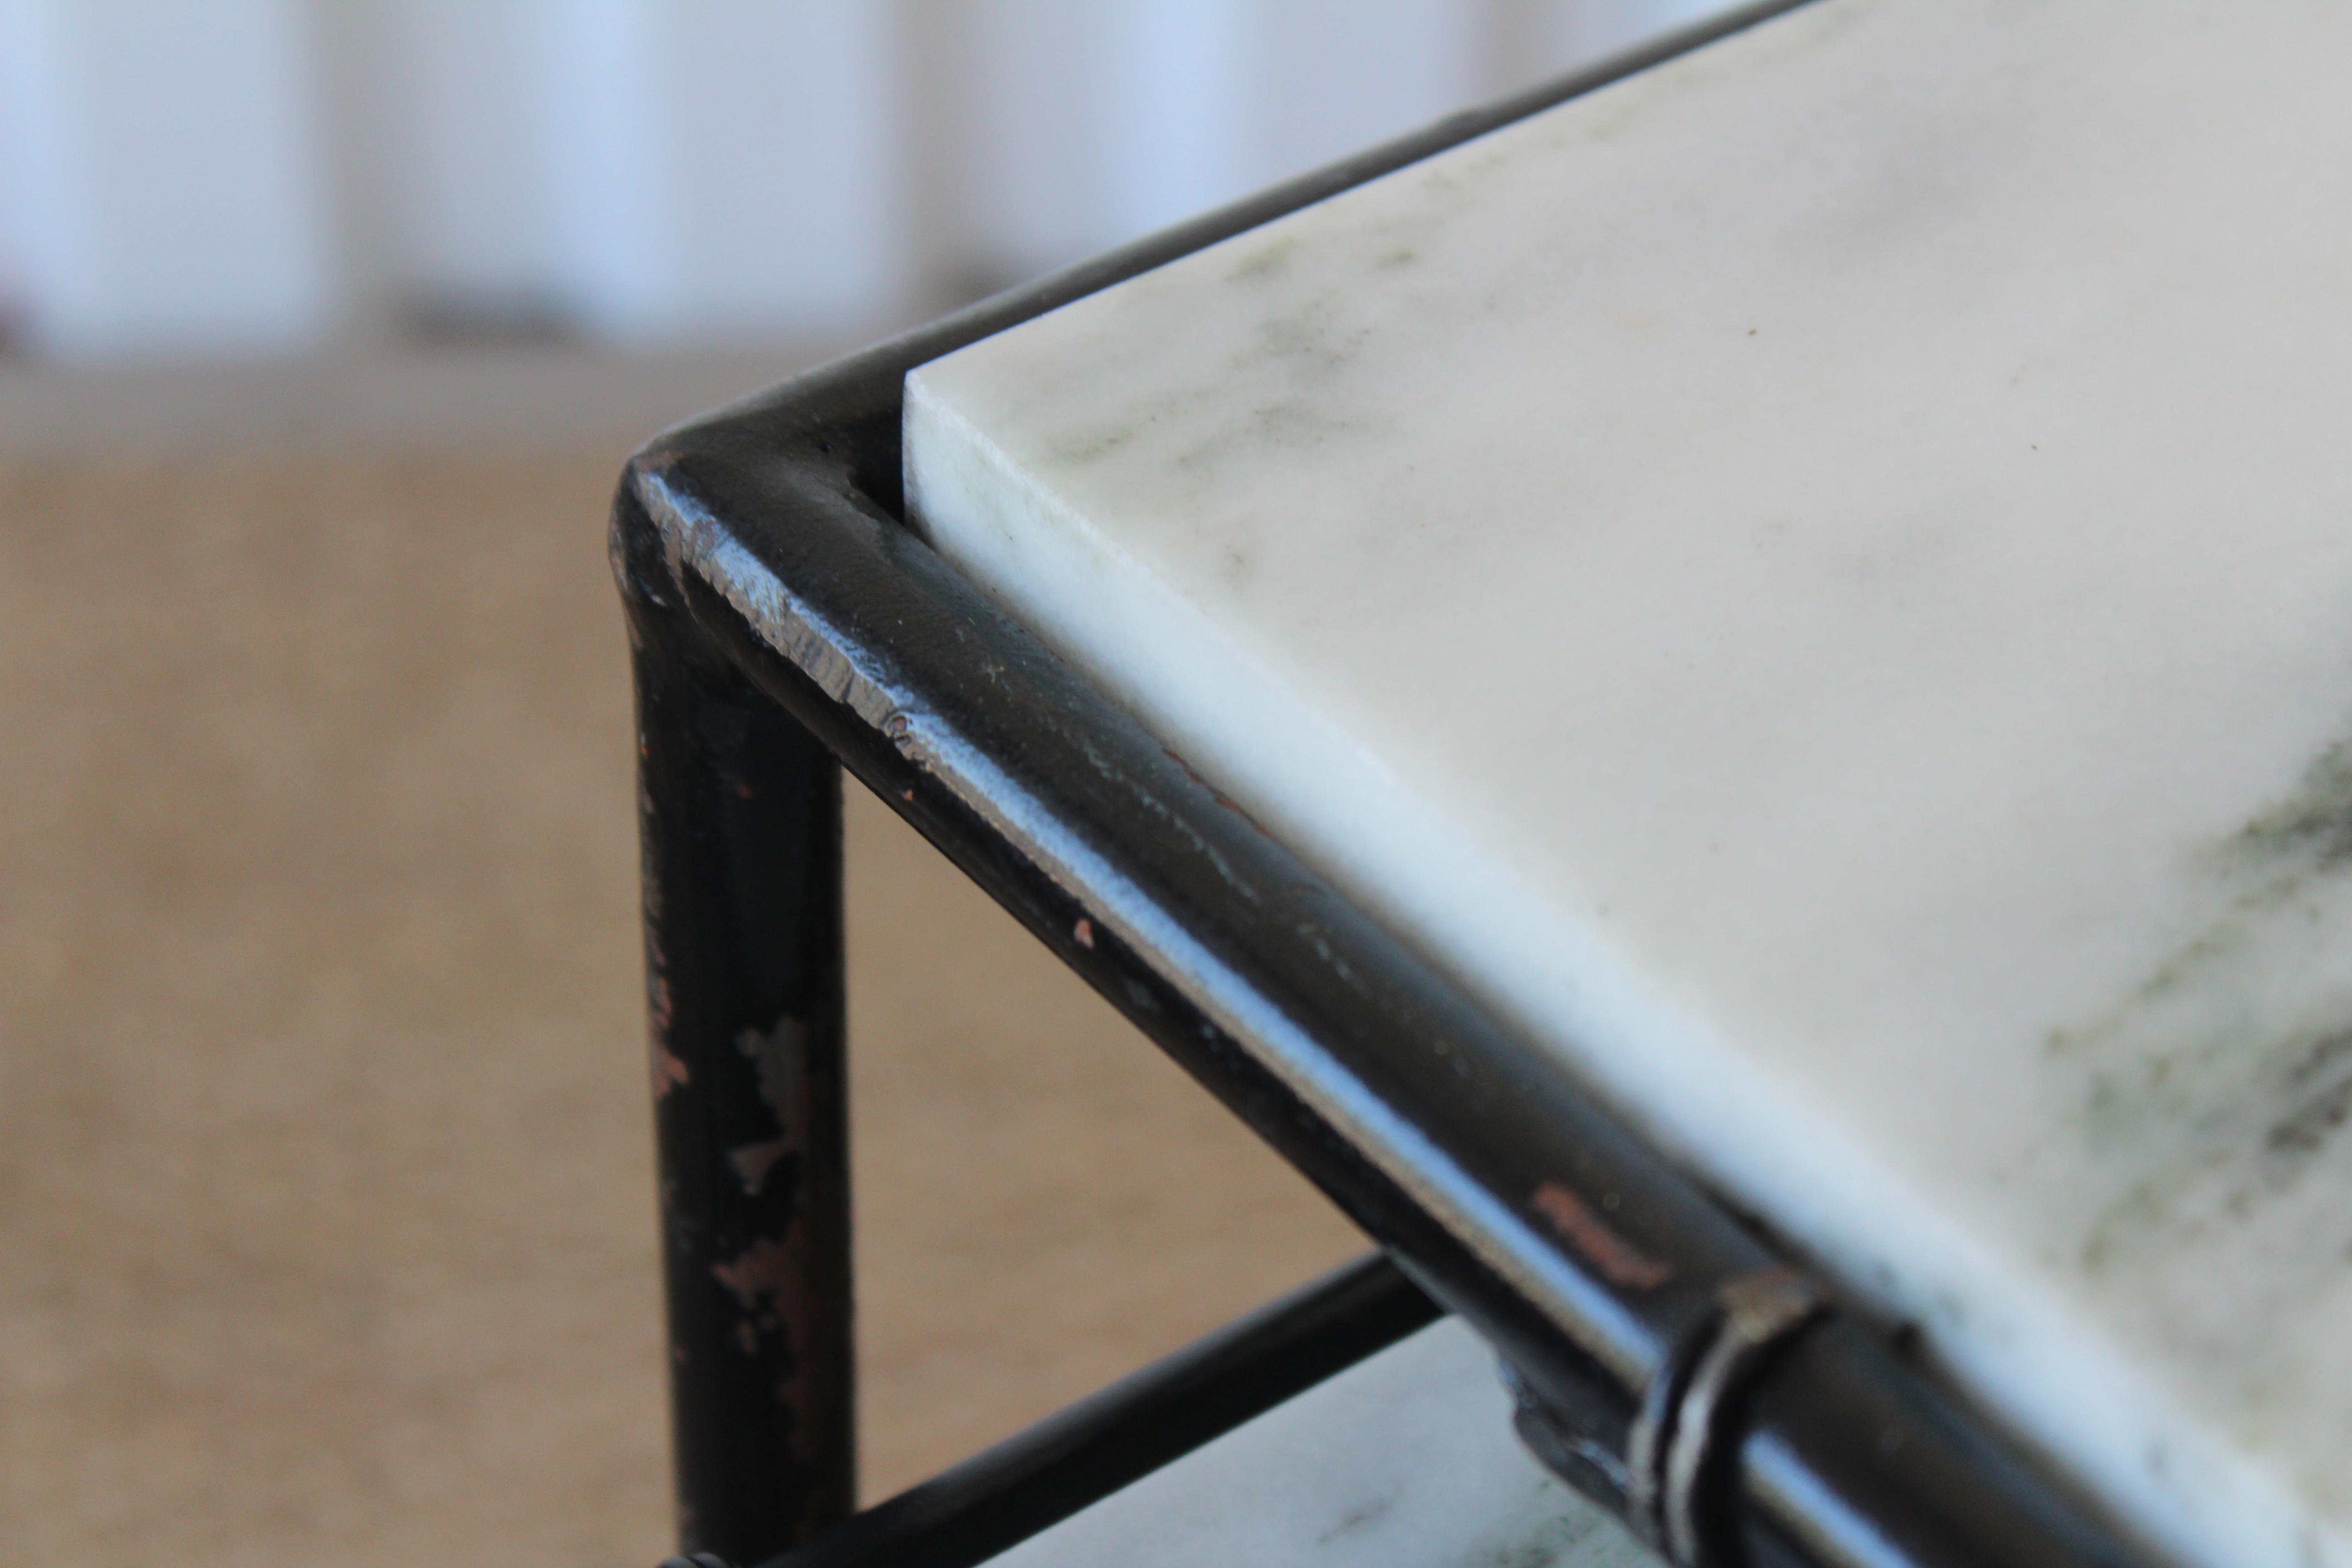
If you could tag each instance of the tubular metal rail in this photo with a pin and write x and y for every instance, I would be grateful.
(786, 621)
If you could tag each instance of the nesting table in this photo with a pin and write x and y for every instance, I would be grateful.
(1717, 697)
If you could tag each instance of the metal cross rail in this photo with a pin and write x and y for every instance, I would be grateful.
(786, 620)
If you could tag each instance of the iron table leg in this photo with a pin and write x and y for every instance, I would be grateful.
(740, 812)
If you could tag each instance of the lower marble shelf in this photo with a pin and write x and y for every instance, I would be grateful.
(1405, 1460)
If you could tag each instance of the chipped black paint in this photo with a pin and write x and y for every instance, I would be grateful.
(740, 825)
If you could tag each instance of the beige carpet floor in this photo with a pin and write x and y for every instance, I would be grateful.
(325, 1217)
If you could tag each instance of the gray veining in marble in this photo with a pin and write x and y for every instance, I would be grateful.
(1818, 577)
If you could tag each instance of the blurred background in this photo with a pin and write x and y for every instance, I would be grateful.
(239, 175)
(326, 1228)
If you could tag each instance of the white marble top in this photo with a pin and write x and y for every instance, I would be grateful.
(1405, 1460)
(1819, 578)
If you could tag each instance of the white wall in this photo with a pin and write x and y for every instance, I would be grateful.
(1087, 123)
(1566, 34)
(182, 175)
(458, 91)
(724, 165)
(165, 182)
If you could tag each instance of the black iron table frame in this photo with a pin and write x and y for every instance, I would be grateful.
(785, 620)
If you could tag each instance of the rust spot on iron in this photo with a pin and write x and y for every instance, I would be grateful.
(1085, 932)
(754, 1161)
(1220, 797)
(1619, 1261)
(764, 1270)
(657, 1000)
(668, 1072)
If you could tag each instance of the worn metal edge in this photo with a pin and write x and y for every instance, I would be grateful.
(1498, 1238)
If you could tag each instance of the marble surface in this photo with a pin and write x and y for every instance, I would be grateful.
(1819, 579)
(1405, 1460)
